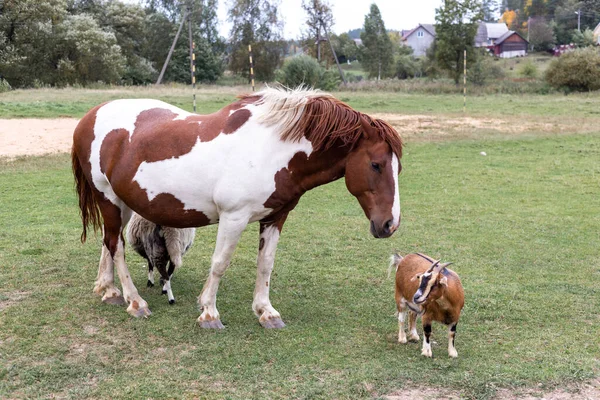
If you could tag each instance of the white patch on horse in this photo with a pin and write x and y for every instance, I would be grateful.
(214, 176)
(396, 205)
(120, 114)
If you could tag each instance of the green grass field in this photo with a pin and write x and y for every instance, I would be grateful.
(521, 225)
(52, 103)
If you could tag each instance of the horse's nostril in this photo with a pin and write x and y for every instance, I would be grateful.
(388, 225)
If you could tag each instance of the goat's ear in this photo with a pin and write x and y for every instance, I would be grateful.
(416, 277)
(444, 281)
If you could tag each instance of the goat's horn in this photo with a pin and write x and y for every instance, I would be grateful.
(444, 265)
(433, 265)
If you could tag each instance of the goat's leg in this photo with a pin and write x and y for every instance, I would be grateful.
(165, 279)
(401, 305)
(451, 334)
(230, 229)
(150, 282)
(426, 351)
(412, 326)
(268, 316)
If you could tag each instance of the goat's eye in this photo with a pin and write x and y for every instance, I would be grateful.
(376, 167)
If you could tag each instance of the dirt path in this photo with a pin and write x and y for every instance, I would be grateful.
(43, 136)
(35, 136)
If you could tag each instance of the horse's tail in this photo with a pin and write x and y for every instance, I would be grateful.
(90, 211)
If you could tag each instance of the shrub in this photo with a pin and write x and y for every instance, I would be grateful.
(529, 70)
(578, 70)
(483, 70)
(4, 86)
(305, 70)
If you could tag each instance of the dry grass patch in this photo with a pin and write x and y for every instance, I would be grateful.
(8, 299)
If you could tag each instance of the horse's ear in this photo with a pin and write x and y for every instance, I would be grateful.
(368, 130)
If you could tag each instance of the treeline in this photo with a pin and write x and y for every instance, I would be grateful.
(549, 22)
(66, 42)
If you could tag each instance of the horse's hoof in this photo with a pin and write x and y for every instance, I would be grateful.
(139, 312)
(150, 284)
(115, 300)
(273, 323)
(214, 324)
(172, 301)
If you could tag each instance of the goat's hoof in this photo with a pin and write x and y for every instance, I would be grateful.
(427, 353)
(172, 301)
(213, 324)
(164, 292)
(402, 340)
(115, 300)
(272, 323)
(150, 283)
(453, 354)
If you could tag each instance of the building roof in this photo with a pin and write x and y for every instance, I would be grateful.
(507, 35)
(495, 30)
(429, 28)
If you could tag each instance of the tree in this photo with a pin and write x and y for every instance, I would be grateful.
(456, 27)
(256, 23)
(490, 10)
(345, 48)
(541, 35)
(319, 14)
(377, 55)
(509, 17)
(89, 54)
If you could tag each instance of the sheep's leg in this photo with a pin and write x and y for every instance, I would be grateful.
(451, 334)
(228, 235)
(412, 325)
(150, 275)
(270, 231)
(401, 317)
(426, 351)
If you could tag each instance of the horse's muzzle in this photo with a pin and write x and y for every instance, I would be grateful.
(382, 231)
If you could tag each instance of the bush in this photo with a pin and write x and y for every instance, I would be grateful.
(483, 70)
(305, 70)
(4, 86)
(578, 70)
(529, 70)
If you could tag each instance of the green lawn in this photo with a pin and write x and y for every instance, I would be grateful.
(521, 225)
(51, 103)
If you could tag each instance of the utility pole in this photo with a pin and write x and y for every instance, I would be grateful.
(578, 12)
(333, 51)
(164, 68)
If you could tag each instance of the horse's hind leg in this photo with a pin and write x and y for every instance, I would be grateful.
(114, 221)
(105, 281)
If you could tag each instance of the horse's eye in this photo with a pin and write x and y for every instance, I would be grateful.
(376, 166)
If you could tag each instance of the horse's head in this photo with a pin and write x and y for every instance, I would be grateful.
(372, 177)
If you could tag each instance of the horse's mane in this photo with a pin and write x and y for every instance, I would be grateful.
(319, 117)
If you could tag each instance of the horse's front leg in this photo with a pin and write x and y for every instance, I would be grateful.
(228, 235)
(269, 237)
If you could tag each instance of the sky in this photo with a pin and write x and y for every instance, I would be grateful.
(348, 14)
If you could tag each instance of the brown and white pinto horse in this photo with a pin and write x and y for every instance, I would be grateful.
(250, 161)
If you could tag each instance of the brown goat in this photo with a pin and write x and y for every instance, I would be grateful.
(427, 288)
